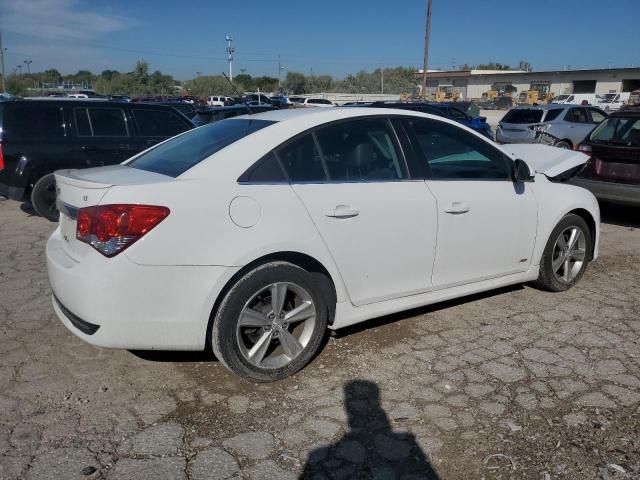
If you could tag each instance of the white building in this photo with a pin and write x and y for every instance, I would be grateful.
(472, 83)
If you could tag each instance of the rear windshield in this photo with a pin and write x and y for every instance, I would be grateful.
(618, 131)
(523, 115)
(179, 154)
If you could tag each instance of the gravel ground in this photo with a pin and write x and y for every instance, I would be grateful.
(515, 383)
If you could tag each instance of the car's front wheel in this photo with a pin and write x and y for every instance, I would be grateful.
(566, 255)
(271, 323)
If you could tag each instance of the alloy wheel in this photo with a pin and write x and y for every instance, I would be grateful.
(569, 254)
(275, 325)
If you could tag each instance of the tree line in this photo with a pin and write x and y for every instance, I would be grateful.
(140, 82)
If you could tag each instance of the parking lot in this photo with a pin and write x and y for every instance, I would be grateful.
(514, 383)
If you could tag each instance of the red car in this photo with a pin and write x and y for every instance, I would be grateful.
(613, 172)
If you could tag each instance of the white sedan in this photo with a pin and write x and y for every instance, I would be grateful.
(254, 235)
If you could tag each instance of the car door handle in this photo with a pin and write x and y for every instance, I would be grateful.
(88, 148)
(342, 211)
(457, 208)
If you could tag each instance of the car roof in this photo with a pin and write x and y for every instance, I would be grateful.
(551, 106)
(629, 112)
(317, 116)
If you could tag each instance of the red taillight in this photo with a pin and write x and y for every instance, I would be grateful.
(1, 158)
(112, 228)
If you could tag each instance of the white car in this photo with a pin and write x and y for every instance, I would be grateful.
(610, 102)
(256, 234)
(218, 101)
(316, 102)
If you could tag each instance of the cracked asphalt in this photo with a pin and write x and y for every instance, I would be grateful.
(515, 383)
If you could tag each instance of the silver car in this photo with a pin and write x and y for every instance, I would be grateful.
(570, 124)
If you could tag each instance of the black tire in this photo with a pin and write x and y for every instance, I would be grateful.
(563, 144)
(224, 336)
(43, 198)
(547, 279)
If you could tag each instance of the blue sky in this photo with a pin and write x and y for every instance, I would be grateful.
(330, 36)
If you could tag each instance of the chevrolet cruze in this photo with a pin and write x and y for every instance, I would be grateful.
(255, 235)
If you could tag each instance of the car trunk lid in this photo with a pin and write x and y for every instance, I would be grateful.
(613, 163)
(84, 188)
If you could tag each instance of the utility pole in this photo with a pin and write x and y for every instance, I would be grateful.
(230, 51)
(19, 67)
(426, 52)
(28, 62)
(2, 50)
(280, 68)
(382, 80)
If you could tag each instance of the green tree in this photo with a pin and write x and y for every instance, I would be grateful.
(18, 85)
(295, 83)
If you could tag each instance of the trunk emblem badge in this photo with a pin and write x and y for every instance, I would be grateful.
(85, 198)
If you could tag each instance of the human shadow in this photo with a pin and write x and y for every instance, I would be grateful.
(370, 449)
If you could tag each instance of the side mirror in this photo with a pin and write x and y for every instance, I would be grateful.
(522, 172)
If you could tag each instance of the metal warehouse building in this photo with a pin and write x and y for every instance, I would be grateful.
(472, 83)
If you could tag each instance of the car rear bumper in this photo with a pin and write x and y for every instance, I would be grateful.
(609, 191)
(117, 303)
(14, 193)
(514, 137)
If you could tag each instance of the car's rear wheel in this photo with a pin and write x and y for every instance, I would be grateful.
(271, 323)
(563, 144)
(43, 197)
(566, 255)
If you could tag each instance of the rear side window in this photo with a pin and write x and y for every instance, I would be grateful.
(181, 153)
(552, 114)
(523, 115)
(265, 170)
(100, 122)
(36, 123)
(158, 123)
(301, 159)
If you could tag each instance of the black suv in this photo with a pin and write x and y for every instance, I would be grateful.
(38, 137)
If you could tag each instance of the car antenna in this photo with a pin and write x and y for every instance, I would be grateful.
(246, 105)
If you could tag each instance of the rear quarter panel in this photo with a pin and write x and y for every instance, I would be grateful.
(200, 229)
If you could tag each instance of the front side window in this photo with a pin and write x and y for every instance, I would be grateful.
(361, 150)
(181, 153)
(158, 123)
(451, 153)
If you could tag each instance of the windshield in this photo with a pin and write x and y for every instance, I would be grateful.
(560, 98)
(620, 131)
(606, 97)
(179, 154)
(523, 115)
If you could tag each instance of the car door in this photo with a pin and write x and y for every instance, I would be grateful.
(578, 124)
(486, 222)
(103, 135)
(378, 223)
